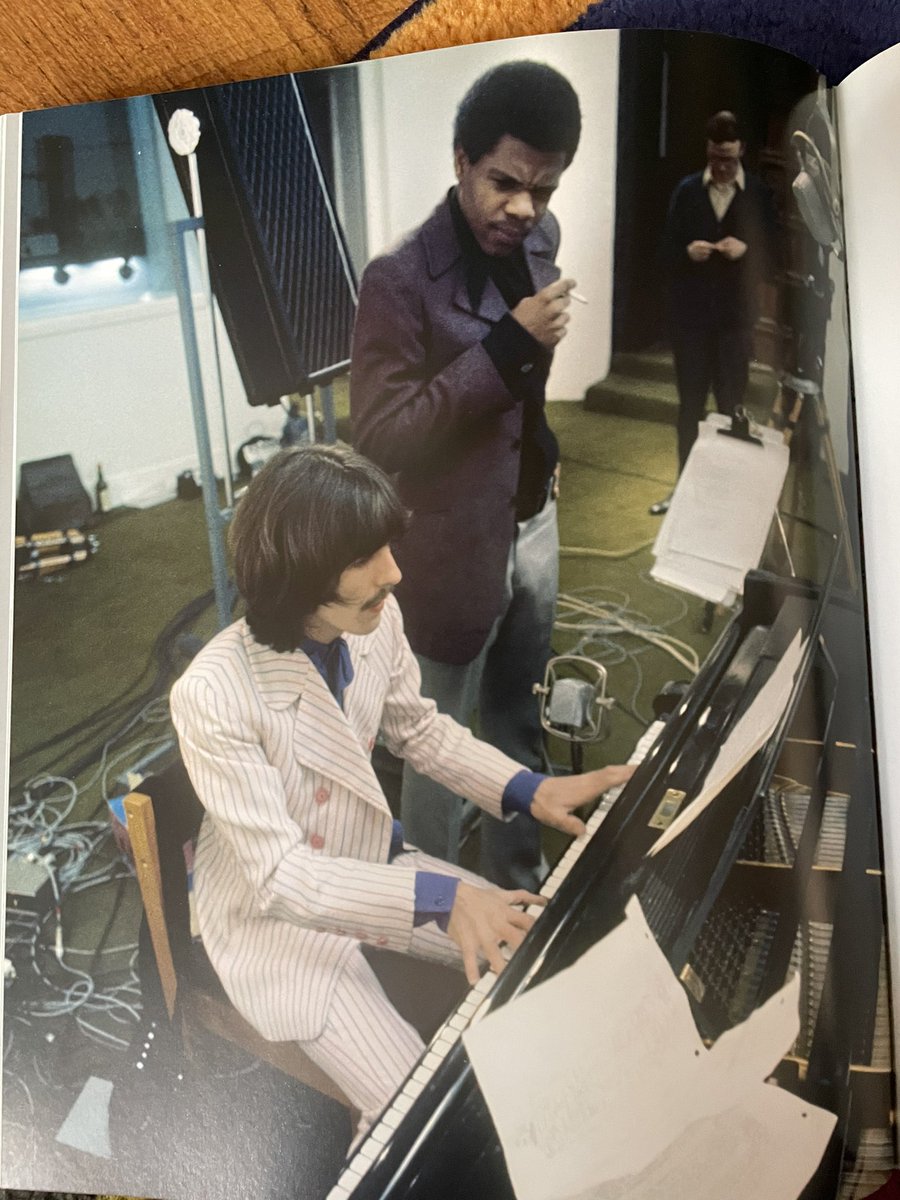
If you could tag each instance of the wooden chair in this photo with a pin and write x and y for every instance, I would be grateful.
(162, 817)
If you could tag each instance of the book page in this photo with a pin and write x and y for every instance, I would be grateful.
(10, 186)
(119, 331)
(869, 126)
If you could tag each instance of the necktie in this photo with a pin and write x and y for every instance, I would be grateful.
(338, 668)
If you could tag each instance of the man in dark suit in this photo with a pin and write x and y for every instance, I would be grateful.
(718, 245)
(454, 338)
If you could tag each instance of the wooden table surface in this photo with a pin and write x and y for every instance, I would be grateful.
(69, 51)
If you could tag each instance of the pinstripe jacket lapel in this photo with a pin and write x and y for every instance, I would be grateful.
(323, 738)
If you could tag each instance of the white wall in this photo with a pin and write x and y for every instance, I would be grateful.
(111, 387)
(408, 107)
(869, 112)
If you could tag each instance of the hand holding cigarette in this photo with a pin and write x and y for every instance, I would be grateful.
(544, 314)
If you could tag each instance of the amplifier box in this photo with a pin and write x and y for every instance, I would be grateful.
(51, 496)
(28, 887)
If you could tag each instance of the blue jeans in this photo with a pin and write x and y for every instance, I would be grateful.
(498, 685)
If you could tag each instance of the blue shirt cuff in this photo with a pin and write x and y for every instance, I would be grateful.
(519, 792)
(435, 895)
(396, 840)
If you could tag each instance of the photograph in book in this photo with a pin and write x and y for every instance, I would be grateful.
(400, 449)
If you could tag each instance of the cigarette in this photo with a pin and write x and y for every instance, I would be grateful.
(578, 296)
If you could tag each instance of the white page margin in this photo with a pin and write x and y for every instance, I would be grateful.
(10, 184)
(868, 106)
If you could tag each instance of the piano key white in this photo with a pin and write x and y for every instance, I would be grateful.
(467, 1012)
(564, 866)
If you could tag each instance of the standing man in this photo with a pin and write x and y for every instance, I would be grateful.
(719, 247)
(299, 863)
(454, 338)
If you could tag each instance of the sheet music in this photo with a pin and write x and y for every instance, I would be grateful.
(711, 580)
(601, 1088)
(750, 733)
(719, 518)
(767, 1146)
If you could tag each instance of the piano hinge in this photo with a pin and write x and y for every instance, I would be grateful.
(667, 809)
(693, 982)
(801, 1064)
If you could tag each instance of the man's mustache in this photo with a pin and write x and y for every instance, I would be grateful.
(376, 600)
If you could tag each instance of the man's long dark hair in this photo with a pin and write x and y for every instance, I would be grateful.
(527, 100)
(309, 514)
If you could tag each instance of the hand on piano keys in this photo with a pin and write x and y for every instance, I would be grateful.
(490, 922)
(557, 797)
(484, 920)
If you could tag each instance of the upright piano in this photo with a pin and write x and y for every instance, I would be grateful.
(781, 873)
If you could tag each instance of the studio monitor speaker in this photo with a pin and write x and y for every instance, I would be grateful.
(278, 259)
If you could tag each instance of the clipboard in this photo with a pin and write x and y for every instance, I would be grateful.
(722, 508)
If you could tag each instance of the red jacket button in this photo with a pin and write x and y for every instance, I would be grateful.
(322, 795)
(317, 841)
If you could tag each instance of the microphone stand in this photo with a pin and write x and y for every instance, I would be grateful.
(804, 382)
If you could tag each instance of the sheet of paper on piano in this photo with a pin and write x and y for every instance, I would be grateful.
(709, 580)
(750, 733)
(716, 528)
(601, 1088)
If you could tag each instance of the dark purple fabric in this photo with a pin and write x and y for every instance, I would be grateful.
(429, 406)
(835, 36)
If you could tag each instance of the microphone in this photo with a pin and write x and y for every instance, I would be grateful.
(816, 198)
(815, 214)
(573, 698)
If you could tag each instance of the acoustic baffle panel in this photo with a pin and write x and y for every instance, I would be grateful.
(278, 261)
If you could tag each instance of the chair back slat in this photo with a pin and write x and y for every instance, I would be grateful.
(177, 812)
(142, 834)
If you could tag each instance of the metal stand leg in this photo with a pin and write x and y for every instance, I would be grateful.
(216, 519)
(329, 424)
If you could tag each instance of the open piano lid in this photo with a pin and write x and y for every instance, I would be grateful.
(738, 900)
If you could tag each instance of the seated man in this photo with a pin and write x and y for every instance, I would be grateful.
(299, 860)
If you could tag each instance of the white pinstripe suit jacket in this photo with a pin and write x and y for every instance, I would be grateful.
(291, 868)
